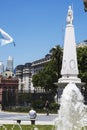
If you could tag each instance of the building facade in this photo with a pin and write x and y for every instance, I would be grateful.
(82, 44)
(25, 72)
(8, 91)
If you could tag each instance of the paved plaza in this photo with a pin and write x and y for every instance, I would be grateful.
(11, 118)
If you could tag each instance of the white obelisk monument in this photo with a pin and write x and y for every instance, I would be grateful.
(69, 69)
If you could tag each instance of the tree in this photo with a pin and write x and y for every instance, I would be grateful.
(38, 79)
(82, 63)
(45, 78)
(56, 55)
(50, 77)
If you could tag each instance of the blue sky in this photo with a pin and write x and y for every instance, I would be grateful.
(38, 25)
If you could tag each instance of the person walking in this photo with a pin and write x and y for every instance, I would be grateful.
(47, 107)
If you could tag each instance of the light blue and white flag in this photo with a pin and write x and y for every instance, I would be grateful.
(5, 38)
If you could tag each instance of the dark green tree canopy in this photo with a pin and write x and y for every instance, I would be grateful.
(56, 55)
(82, 63)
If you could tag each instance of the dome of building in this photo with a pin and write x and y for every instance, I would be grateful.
(27, 65)
(19, 67)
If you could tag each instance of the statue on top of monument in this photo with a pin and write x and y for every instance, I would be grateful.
(69, 18)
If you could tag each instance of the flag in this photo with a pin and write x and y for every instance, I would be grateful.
(5, 38)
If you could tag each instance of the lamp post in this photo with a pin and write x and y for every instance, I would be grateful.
(85, 5)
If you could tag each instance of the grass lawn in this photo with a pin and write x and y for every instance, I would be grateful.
(29, 127)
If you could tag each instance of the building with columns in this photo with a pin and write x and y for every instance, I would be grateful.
(25, 72)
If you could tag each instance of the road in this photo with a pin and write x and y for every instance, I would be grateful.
(41, 118)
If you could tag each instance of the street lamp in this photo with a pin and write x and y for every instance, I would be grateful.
(85, 5)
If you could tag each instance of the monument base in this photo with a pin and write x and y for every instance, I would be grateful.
(62, 82)
(69, 79)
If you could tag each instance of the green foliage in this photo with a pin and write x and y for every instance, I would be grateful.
(82, 63)
(35, 79)
(38, 79)
(45, 78)
(56, 55)
(19, 109)
(38, 104)
(54, 107)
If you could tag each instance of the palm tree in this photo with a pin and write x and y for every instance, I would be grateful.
(56, 55)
